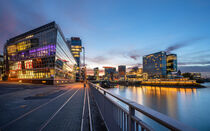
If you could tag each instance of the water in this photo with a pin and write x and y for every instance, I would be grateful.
(190, 106)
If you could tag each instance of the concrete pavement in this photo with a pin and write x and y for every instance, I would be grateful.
(47, 108)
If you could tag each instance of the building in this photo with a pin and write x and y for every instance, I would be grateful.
(160, 64)
(135, 70)
(39, 56)
(75, 45)
(196, 75)
(1, 66)
(109, 73)
(192, 75)
(122, 72)
(171, 60)
(136, 74)
(96, 73)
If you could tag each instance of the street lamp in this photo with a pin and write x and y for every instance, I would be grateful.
(84, 75)
(83, 56)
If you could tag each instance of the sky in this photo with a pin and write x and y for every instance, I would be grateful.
(120, 32)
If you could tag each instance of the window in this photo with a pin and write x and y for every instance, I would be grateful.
(11, 49)
(28, 64)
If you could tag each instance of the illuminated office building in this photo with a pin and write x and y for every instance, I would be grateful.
(75, 45)
(171, 63)
(96, 73)
(39, 56)
(159, 65)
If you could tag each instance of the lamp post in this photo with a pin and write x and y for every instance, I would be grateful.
(83, 56)
(84, 67)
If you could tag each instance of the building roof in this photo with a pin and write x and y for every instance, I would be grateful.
(108, 67)
(33, 31)
(155, 53)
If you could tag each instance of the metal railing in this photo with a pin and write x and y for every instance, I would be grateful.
(118, 118)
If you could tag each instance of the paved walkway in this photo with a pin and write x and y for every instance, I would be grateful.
(54, 109)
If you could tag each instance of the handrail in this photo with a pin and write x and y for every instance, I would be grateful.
(162, 119)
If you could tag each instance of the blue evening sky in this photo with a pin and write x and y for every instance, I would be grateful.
(118, 32)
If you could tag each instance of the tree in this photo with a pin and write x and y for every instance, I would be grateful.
(187, 75)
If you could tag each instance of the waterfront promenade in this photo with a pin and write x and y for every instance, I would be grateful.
(25, 107)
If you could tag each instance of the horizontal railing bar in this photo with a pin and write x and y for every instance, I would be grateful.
(124, 100)
(154, 115)
(118, 105)
(142, 124)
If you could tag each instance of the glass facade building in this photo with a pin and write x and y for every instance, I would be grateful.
(39, 56)
(159, 65)
(171, 63)
(75, 45)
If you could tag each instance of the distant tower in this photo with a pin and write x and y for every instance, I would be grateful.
(75, 45)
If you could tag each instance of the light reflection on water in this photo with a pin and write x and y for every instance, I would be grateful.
(188, 105)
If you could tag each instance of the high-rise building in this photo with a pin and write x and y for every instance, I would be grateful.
(1, 66)
(75, 45)
(171, 63)
(109, 73)
(159, 65)
(96, 73)
(39, 56)
(122, 71)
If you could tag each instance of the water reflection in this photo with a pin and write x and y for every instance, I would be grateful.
(188, 105)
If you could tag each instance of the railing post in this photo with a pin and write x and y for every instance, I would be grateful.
(104, 92)
(131, 121)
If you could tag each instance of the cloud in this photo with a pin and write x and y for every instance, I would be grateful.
(130, 66)
(90, 71)
(97, 59)
(194, 63)
(195, 68)
(16, 20)
(134, 54)
(182, 44)
(21, 16)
